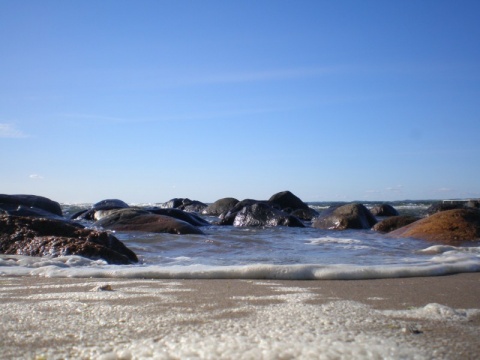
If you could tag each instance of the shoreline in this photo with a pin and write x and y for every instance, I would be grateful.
(417, 317)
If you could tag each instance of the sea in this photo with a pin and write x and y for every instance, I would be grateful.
(282, 253)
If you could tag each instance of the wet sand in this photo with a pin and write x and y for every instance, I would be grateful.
(425, 318)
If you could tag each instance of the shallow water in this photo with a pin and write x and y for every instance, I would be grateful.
(264, 253)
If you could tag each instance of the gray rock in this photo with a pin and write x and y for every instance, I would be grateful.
(349, 216)
(220, 206)
(260, 214)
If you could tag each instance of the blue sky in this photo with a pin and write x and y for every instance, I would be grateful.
(150, 100)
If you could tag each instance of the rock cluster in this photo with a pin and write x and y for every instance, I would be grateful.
(35, 226)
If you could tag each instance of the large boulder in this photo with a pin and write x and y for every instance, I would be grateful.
(99, 209)
(12, 202)
(109, 204)
(141, 220)
(452, 227)
(349, 216)
(393, 223)
(229, 217)
(261, 214)
(48, 237)
(288, 202)
(220, 206)
(384, 210)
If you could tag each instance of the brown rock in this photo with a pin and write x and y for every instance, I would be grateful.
(140, 220)
(349, 216)
(451, 227)
(48, 237)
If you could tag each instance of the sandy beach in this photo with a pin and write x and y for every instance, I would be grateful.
(76, 318)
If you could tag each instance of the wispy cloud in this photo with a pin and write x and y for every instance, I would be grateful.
(395, 189)
(10, 131)
(93, 117)
(266, 75)
(36, 177)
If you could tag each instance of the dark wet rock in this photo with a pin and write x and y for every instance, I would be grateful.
(229, 217)
(141, 220)
(184, 204)
(190, 218)
(444, 206)
(220, 206)
(451, 227)
(109, 204)
(172, 204)
(285, 200)
(261, 214)
(100, 209)
(288, 202)
(349, 216)
(88, 214)
(384, 210)
(81, 214)
(33, 212)
(12, 202)
(49, 237)
(393, 223)
(305, 214)
(246, 202)
(440, 206)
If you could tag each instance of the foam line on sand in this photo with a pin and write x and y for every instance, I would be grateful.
(414, 318)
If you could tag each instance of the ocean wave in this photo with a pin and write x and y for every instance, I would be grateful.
(75, 266)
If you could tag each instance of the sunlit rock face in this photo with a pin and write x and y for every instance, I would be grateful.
(451, 227)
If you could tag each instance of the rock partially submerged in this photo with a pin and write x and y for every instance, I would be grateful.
(184, 204)
(384, 210)
(49, 237)
(290, 203)
(142, 220)
(260, 214)
(451, 227)
(394, 222)
(444, 206)
(282, 209)
(99, 208)
(342, 217)
(220, 206)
